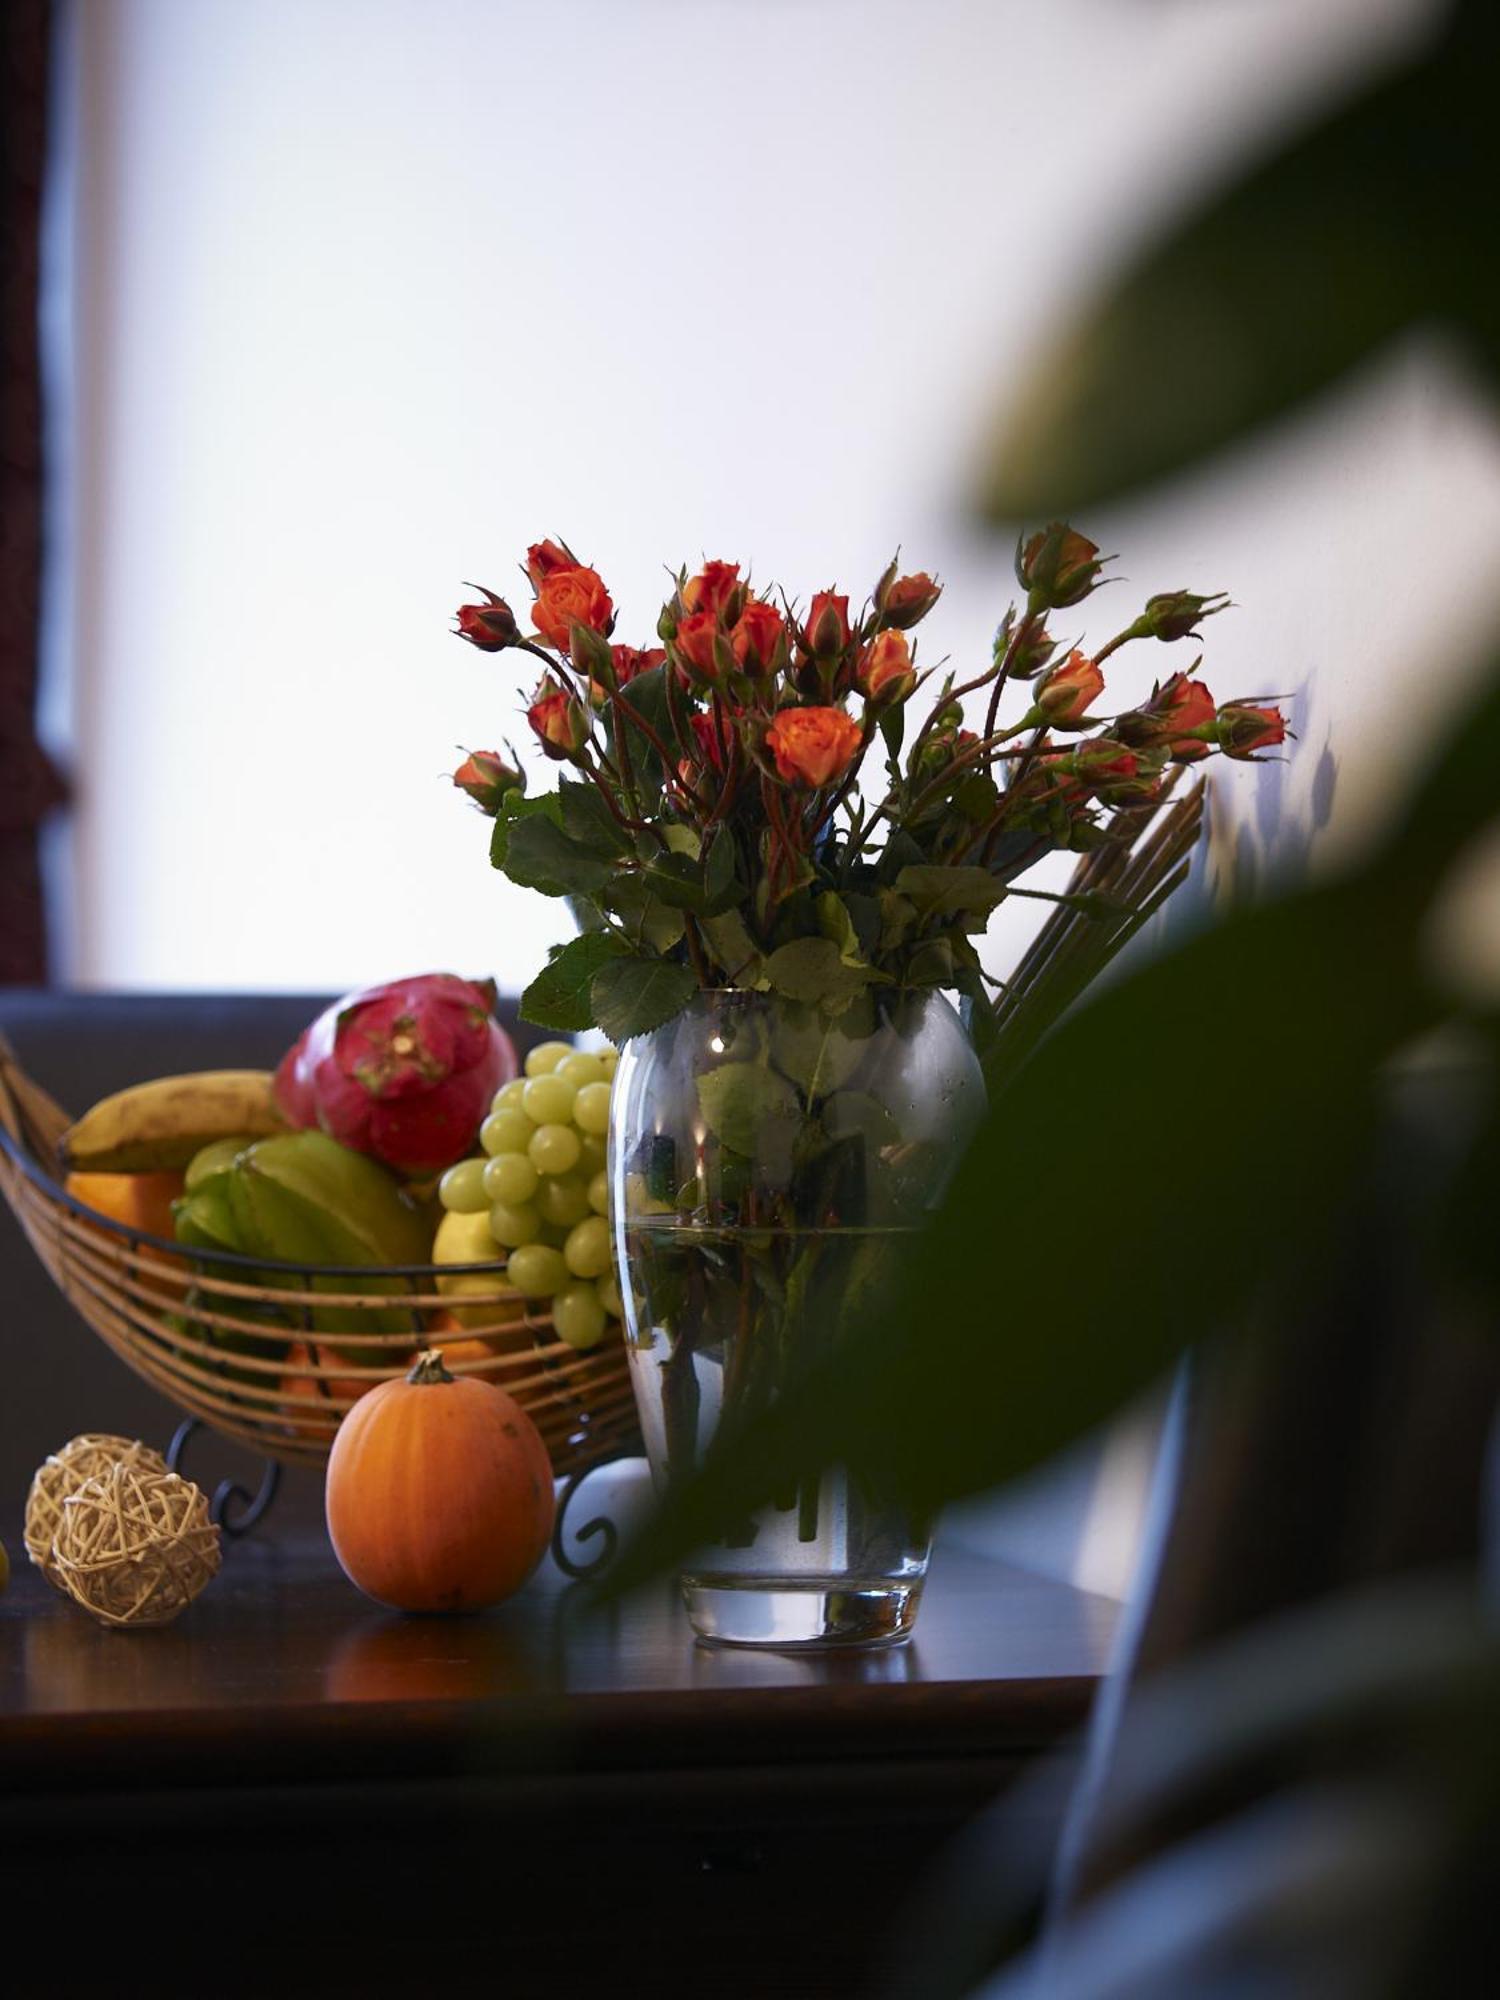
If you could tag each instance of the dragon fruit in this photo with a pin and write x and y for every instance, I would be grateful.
(403, 1072)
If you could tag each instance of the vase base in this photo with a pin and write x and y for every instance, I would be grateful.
(818, 1612)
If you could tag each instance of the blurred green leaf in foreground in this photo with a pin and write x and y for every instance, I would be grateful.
(1373, 222)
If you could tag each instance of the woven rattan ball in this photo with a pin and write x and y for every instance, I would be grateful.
(135, 1547)
(63, 1473)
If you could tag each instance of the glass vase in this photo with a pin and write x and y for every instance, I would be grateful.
(766, 1163)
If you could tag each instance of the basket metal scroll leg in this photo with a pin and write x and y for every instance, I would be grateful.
(600, 1528)
(235, 1510)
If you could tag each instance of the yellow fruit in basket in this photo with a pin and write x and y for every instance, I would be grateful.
(466, 1239)
(158, 1126)
(137, 1201)
(470, 1347)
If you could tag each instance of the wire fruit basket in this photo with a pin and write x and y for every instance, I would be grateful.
(275, 1354)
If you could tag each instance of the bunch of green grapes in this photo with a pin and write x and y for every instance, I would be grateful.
(542, 1188)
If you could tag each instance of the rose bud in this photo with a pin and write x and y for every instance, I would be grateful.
(542, 558)
(569, 597)
(629, 661)
(710, 749)
(1179, 716)
(712, 588)
(625, 662)
(758, 639)
(697, 646)
(1103, 762)
(885, 673)
(1243, 729)
(813, 746)
(827, 628)
(907, 600)
(560, 722)
(491, 627)
(1056, 567)
(1064, 696)
(486, 777)
(708, 753)
(1051, 779)
(1033, 653)
(1116, 775)
(1174, 614)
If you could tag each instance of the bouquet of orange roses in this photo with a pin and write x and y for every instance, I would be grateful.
(781, 861)
(754, 802)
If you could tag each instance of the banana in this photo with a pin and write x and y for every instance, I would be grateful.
(156, 1126)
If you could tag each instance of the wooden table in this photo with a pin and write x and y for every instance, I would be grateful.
(304, 1793)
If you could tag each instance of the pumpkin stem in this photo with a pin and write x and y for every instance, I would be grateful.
(429, 1368)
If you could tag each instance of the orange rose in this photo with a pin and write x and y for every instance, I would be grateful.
(1179, 714)
(1244, 729)
(632, 660)
(813, 746)
(486, 777)
(756, 635)
(569, 597)
(561, 726)
(695, 641)
(909, 599)
(712, 588)
(626, 662)
(1064, 696)
(828, 624)
(885, 669)
(1057, 567)
(542, 558)
(490, 626)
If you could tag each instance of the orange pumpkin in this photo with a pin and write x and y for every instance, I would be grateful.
(439, 1492)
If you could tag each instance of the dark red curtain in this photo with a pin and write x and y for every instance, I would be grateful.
(29, 787)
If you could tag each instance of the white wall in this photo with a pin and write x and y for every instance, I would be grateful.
(367, 294)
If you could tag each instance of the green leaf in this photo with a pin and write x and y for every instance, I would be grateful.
(950, 892)
(729, 939)
(646, 696)
(900, 851)
(516, 806)
(586, 820)
(836, 924)
(818, 1052)
(541, 856)
(893, 728)
(649, 921)
(977, 797)
(632, 996)
(676, 879)
(897, 916)
(559, 996)
(931, 964)
(811, 970)
(721, 891)
(750, 1109)
(1375, 211)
